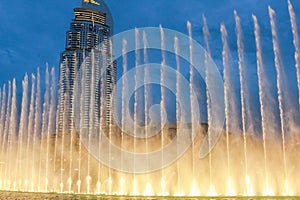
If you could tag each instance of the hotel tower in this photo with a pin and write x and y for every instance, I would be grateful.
(86, 68)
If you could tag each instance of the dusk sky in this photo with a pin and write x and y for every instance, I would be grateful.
(33, 32)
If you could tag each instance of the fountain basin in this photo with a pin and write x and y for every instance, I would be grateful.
(27, 195)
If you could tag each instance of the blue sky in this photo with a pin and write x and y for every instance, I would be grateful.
(33, 32)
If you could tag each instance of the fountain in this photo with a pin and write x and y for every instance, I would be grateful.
(36, 158)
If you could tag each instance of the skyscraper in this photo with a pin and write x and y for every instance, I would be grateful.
(86, 66)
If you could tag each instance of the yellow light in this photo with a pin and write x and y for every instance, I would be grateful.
(194, 191)
(122, 181)
(61, 186)
(70, 184)
(148, 191)
(15, 185)
(91, 1)
(78, 186)
(26, 184)
(98, 187)
(135, 193)
(32, 186)
(268, 192)
(249, 187)
(230, 188)
(179, 194)
(211, 191)
(163, 185)
(20, 183)
(287, 189)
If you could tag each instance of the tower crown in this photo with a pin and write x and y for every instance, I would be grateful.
(99, 5)
(92, 2)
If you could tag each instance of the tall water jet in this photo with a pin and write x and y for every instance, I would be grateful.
(74, 155)
(261, 102)
(51, 124)
(56, 146)
(37, 124)
(241, 65)
(111, 64)
(178, 118)
(82, 110)
(226, 85)
(146, 98)
(12, 133)
(278, 65)
(62, 146)
(71, 137)
(135, 114)
(206, 35)
(6, 133)
(45, 116)
(1, 111)
(1, 105)
(296, 42)
(162, 104)
(30, 130)
(192, 103)
(2, 118)
(124, 92)
(64, 132)
(22, 134)
(100, 138)
(91, 118)
(229, 106)
(92, 121)
(243, 89)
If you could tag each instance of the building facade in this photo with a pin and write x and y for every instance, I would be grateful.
(87, 71)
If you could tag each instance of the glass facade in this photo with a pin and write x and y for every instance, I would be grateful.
(87, 58)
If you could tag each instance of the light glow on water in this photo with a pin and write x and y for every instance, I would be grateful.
(179, 194)
(134, 191)
(230, 188)
(268, 191)
(248, 187)
(287, 189)
(61, 187)
(98, 187)
(122, 182)
(78, 186)
(211, 191)
(148, 191)
(194, 190)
